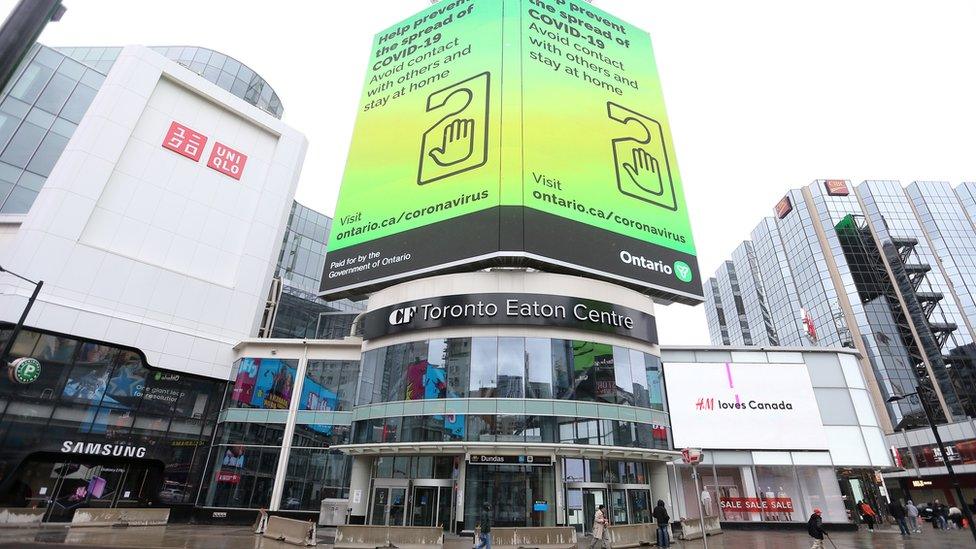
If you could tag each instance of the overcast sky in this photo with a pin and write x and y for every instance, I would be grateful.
(763, 95)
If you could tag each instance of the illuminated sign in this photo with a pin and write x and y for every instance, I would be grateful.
(921, 483)
(560, 158)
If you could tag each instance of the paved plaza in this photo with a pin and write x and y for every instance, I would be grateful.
(234, 537)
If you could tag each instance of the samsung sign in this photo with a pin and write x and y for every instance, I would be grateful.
(102, 449)
(505, 309)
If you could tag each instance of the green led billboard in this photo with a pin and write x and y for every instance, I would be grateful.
(512, 132)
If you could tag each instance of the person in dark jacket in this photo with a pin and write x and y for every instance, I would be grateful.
(484, 524)
(816, 530)
(663, 519)
(898, 512)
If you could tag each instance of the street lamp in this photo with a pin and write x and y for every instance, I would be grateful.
(23, 317)
(945, 454)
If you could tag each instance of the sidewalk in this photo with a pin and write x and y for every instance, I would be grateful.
(188, 536)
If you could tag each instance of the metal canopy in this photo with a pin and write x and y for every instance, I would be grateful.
(507, 448)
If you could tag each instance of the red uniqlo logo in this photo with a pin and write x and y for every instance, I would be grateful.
(227, 161)
(185, 141)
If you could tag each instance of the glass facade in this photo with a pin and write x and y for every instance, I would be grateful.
(221, 69)
(512, 367)
(39, 111)
(247, 447)
(817, 285)
(48, 96)
(98, 427)
(300, 313)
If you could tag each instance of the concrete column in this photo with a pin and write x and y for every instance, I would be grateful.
(279, 484)
(559, 504)
(362, 467)
(660, 487)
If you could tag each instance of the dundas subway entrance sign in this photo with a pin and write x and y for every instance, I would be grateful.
(512, 132)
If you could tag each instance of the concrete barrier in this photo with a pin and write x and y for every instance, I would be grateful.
(20, 516)
(558, 537)
(350, 536)
(713, 526)
(88, 516)
(632, 535)
(295, 532)
(691, 528)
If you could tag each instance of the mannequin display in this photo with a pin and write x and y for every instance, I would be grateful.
(706, 500)
(770, 495)
(784, 497)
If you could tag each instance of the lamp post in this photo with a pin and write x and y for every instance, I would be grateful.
(23, 316)
(945, 455)
(21, 29)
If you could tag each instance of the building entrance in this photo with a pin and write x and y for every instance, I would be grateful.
(63, 485)
(389, 505)
(432, 504)
(625, 504)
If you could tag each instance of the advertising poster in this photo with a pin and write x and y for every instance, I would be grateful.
(531, 132)
(273, 386)
(593, 367)
(247, 376)
(736, 406)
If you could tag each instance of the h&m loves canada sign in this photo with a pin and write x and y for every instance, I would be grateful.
(191, 143)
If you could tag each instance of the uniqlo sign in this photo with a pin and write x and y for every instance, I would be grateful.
(185, 141)
(190, 144)
(227, 161)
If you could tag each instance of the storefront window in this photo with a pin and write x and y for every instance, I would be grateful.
(519, 496)
(312, 476)
(733, 492)
(779, 493)
(241, 476)
(320, 435)
(92, 393)
(821, 490)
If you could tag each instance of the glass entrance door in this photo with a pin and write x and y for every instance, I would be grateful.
(592, 498)
(618, 507)
(424, 506)
(389, 506)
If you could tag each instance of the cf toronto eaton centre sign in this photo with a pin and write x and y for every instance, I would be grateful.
(503, 309)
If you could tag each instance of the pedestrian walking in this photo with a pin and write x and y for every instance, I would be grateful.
(816, 530)
(911, 515)
(484, 524)
(900, 514)
(663, 520)
(940, 513)
(868, 514)
(600, 522)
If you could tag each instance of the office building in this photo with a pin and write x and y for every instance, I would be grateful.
(881, 268)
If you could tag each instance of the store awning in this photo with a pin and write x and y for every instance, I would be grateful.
(507, 448)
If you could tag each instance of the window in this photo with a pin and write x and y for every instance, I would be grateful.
(538, 365)
(511, 367)
(484, 367)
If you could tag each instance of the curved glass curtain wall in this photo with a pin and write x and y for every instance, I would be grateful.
(223, 70)
(512, 367)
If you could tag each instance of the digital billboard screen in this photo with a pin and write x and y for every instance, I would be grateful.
(737, 406)
(526, 132)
